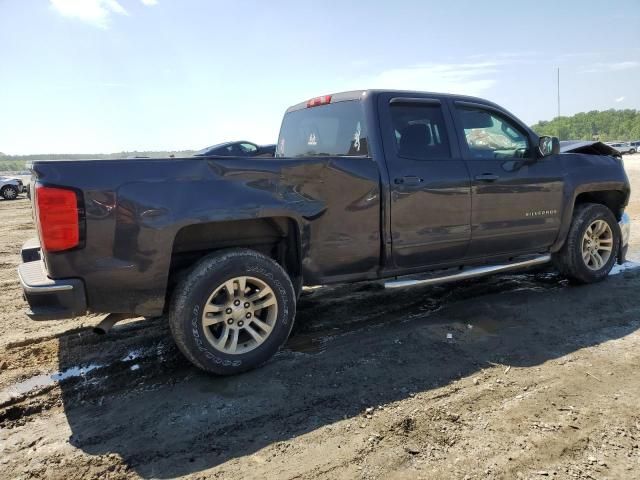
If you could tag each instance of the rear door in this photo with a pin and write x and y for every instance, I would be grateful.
(516, 196)
(430, 186)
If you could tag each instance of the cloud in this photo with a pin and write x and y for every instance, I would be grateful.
(619, 99)
(464, 78)
(94, 12)
(601, 67)
(571, 55)
(150, 3)
(525, 56)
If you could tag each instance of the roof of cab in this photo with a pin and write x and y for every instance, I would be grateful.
(362, 94)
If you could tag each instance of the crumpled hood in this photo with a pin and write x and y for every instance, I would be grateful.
(588, 147)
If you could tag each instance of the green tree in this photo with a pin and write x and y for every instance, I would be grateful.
(608, 125)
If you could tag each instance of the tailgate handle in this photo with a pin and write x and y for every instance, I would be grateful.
(487, 177)
(408, 181)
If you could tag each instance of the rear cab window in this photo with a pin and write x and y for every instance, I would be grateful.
(420, 131)
(333, 129)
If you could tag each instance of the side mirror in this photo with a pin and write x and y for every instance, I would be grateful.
(548, 146)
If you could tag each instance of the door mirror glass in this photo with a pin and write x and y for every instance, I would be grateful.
(548, 146)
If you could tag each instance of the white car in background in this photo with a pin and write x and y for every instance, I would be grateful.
(622, 147)
(10, 187)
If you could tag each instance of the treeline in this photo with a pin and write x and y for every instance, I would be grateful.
(16, 163)
(11, 165)
(609, 125)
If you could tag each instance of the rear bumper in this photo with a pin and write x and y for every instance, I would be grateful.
(48, 299)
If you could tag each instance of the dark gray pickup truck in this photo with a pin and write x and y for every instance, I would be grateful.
(409, 187)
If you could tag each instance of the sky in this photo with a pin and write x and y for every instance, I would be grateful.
(99, 76)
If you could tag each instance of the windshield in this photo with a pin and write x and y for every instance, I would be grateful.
(337, 129)
(205, 150)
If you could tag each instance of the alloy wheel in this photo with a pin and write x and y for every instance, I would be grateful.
(597, 245)
(239, 315)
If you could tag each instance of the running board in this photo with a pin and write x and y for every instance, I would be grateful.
(468, 273)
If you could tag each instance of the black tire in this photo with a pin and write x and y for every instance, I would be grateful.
(569, 259)
(632, 151)
(193, 292)
(9, 192)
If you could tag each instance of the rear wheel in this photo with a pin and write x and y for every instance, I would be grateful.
(592, 244)
(233, 311)
(9, 192)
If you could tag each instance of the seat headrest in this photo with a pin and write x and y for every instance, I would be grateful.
(414, 139)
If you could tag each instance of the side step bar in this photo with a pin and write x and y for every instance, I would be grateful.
(468, 273)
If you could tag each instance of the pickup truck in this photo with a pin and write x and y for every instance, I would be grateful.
(409, 188)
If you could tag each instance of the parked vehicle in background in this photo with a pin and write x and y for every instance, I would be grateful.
(622, 147)
(411, 187)
(237, 149)
(636, 145)
(10, 187)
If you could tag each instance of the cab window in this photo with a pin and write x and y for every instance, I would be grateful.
(419, 131)
(248, 149)
(489, 135)
(336, 129)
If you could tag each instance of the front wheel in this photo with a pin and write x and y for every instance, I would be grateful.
(592, 244)
(233, 311)
(9, 192)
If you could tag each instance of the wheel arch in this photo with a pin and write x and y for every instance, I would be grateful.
(277, 237)
(613, 197)
(614, 200)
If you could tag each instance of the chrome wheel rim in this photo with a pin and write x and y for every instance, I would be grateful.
(239, 315)
(597, 245)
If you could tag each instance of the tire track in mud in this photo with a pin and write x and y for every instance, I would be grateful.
(330, 314)
(143, 352)
(213, 421)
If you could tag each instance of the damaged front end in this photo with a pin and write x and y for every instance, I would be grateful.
(602, 150)
(588, 147)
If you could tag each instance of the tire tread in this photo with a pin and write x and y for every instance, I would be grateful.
(569, 259)
(181, 304)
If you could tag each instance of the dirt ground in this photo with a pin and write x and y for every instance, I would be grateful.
(539, 379)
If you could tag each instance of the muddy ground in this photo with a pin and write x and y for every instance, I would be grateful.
(538, 380)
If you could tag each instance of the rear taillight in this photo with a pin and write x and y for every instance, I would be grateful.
(58, 218)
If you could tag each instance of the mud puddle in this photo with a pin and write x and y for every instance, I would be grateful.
(89, 371)
(629, 265)
(42, 381)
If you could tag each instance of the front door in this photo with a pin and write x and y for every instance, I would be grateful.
(430, 186)
(516, 196)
